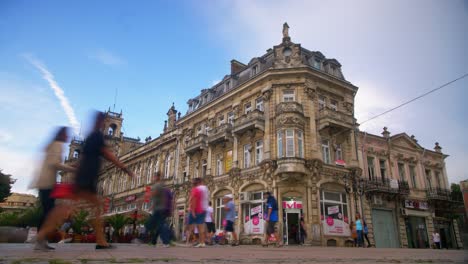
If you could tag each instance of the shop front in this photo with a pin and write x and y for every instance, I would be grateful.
(334, 215)
(415, 213)
(445, 230)
(385, 229)
(292, 212)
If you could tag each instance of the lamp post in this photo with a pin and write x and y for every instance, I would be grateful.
(355, 185)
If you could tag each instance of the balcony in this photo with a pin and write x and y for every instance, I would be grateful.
(196, 144)
(439, 194)
(386, 186)
(220, 134)
(291, 169)
(289, 107)
(331, 118)
(249, 121)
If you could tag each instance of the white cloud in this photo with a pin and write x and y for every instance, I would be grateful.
(107, 58)
(59, 92)
(5, 136)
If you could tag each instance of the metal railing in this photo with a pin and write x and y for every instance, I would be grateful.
(386, 186)
(438, 194)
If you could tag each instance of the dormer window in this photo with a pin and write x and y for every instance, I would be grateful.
(76, 154)
(254, 70)
(227, 85)
(332, 70)
(317, 64)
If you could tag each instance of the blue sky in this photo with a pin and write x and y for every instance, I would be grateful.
(154, 53)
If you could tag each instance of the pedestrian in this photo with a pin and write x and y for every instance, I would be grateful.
(64, 230)
(354, 236)
(366, 232)
(230, 209)
(303, 232)
(359, 229)
(436, 239)
(162, 208)
(51, 215)
(87, 175)
(198, 205)
(210, 226)
(271, 219)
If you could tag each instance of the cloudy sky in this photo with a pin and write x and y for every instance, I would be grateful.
(60, 59)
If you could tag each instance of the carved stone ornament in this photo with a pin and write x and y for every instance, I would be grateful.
(349, 107)
(311, 93)
(290, 120)
(209, 182)
(269, 167)
(235, 175)
(289, 107)
(315, 166)
(267, 95)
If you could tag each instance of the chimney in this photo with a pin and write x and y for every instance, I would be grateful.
(236, 66)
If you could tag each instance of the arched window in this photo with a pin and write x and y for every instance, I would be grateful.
(111, 130)
(76, 154)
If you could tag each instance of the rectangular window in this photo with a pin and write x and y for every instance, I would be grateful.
(383, 169)
(338, 152)
(401, 171)
(207, 129)
(247, 149)
(317, 64)
(289, 143)
(254, 70)
(221, 120)
(219, 164)
(334, 105)
(279, 137)
(230, 118)
(321, 102)
(204, 166)
(429, 178)
(195, 170)
(199, 130)
(258, 152)
(326, 151)
(371, 168)
(227, 85)
(220, 213)
(259, 104)
(247, 108)
(288, 96)
(300, 144)
(333, 205)
(438, 179)
(412, 170)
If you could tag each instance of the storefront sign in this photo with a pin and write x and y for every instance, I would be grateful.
(335, 227)
(416, 205)
(130, 198)
(256, 210)
(292, 204)
(254, 223)
(333, 210)
(394, 184)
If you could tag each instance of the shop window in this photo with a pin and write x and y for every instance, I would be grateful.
(252, 213)
(220, 213)
(334, 213)
(258, 152)
(326, 151)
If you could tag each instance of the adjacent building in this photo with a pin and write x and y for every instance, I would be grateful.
(18, 202)
(284, 123)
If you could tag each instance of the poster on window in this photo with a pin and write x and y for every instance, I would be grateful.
(335, 223)
(228, 161)
(253, 222)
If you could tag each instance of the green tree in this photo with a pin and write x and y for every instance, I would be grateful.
(5, 185)
(79, 220)
(118, 222)
(456, 193)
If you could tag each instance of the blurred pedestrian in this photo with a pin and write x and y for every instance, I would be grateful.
(359, 229)
(230, 209)
(303, 232)
(51, 215)
(271, 219)
(436, 239)
(354, 236)
(366, 232)
(198, 205)
(87, 175)
(162, 208)
(210, 226)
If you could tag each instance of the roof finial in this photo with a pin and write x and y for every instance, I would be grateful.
(285, 30)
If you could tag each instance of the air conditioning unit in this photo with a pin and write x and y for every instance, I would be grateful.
(403, 212)
(377, 200)
(244, 197)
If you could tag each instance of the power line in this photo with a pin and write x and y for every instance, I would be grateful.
(416, 98)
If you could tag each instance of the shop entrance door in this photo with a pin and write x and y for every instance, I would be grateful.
(292, 226)
(385, 231)
(416, 232)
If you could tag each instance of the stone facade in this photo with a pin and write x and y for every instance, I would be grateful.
(18, 202)
(282, 123)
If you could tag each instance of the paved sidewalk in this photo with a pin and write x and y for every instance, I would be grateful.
(132, 253)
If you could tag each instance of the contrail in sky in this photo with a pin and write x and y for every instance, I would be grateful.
(49, 77)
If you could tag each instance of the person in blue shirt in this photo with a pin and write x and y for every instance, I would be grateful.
(230, 209)
(271, 218)
(359, 229)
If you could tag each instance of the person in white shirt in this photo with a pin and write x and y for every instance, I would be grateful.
(210, 226)
(436, 239)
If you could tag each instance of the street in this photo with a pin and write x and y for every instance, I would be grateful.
(133, 253)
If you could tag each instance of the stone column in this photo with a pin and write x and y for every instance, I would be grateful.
(208, 161)
(309, 110)
(267, 112)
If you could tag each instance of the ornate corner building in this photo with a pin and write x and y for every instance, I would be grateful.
(285, 123)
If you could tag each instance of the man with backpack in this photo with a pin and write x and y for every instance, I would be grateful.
(271, 219)
(162, 209)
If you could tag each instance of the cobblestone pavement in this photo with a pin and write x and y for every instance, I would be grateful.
(132, 253)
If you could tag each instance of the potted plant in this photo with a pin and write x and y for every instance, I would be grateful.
(79, 220)
(118, 222)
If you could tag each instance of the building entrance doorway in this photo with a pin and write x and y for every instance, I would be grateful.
(292, 226)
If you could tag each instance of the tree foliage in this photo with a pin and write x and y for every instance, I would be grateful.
(79, 221)
(456, 193)
(118, 222)
(29, 217)
(5, 186)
